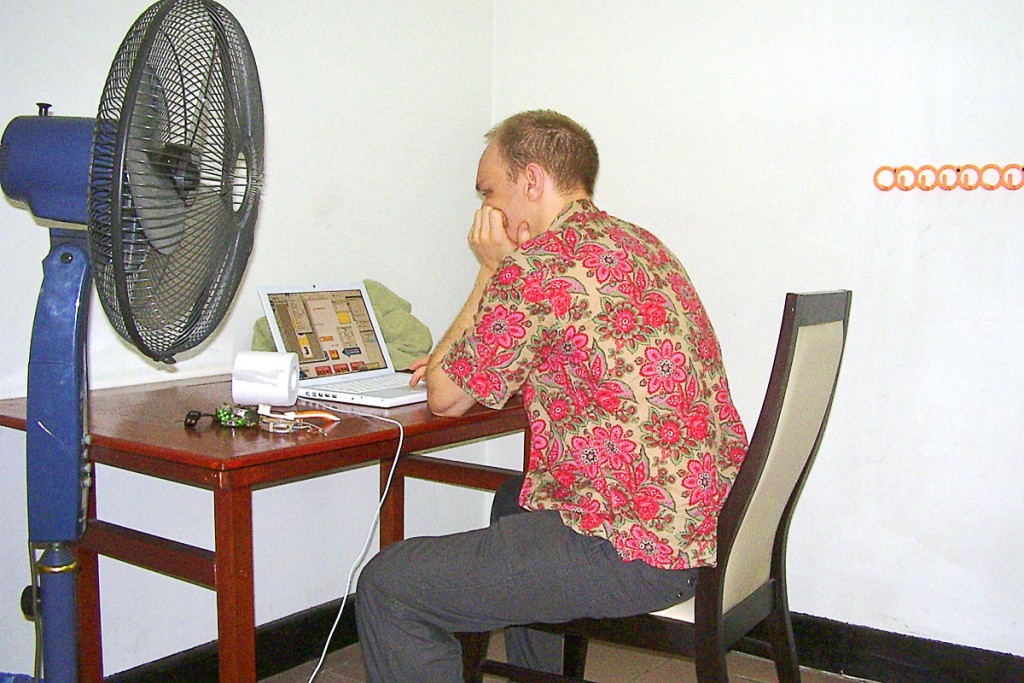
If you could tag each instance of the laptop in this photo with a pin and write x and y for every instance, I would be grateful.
(342, 355)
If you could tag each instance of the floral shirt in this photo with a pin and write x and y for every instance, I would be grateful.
(634, 434)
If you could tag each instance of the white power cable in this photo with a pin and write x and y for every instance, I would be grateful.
(373, 524)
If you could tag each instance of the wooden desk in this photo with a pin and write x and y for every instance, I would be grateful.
(140, 429)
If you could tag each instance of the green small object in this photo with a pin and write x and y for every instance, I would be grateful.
(231, 415)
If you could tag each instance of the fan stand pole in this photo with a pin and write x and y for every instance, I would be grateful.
(57, 465)
(58, 571)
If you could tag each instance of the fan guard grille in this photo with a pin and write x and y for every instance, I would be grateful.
(176, 172)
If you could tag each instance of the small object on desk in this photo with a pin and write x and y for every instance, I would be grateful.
(276, 425)
(192, 417)
(234, 415)
(265, 377)
(228, 415)
(284, 423)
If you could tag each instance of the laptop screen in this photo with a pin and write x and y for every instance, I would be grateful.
(332, 330)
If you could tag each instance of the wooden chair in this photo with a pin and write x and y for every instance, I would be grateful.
(748, 586)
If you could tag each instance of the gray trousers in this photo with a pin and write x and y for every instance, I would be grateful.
(523, 568)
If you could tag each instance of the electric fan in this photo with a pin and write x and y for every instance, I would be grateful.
(167, 180)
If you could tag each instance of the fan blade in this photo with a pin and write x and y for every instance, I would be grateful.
(158, 171)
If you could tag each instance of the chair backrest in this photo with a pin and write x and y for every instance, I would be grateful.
(754, 522)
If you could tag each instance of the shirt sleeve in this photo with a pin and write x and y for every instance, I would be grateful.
(494, 357)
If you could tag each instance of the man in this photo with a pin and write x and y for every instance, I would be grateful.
(635, 439)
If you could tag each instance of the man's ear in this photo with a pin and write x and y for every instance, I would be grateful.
(536, 181)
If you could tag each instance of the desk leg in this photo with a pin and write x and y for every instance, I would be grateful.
(527, 444)
(236, 606)
(392, 512)
(90, 641)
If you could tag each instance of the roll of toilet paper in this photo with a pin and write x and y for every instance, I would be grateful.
(265, 377)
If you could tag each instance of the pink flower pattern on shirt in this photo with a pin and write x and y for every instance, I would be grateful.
(634, 435)
(501, 328)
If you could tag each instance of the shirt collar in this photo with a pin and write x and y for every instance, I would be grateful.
(571, 209)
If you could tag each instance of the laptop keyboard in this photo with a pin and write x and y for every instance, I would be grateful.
(362, 386)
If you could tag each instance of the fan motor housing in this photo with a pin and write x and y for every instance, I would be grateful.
(44, 162)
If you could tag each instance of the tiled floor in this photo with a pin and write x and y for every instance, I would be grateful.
(605, 664)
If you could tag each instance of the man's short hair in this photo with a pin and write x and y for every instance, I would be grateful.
(563, 147)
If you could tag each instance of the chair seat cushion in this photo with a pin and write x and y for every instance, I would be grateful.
(681, 612)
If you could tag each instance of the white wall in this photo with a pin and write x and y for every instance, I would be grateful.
(745, 134)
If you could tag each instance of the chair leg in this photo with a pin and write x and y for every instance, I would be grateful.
(780, 636)
(709, 656)
(574, 655)
(474, 650)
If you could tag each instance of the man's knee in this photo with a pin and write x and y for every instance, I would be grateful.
(377, 577)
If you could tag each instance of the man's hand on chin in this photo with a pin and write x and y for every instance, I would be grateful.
(489, 237)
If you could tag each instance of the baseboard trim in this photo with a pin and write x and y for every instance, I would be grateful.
(280, 645)
(863, 652)
(895, 658)
(821, 644)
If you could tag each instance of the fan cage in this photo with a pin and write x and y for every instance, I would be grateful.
(176, 173)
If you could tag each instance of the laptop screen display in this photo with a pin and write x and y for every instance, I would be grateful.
(331, 331)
